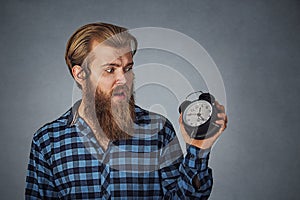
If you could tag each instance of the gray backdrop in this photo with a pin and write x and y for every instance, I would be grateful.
(255, 44)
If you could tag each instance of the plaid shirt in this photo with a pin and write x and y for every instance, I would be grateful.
(66, 162)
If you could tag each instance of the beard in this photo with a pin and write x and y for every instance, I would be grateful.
(115, 119)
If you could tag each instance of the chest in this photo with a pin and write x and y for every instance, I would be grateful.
(86, 170)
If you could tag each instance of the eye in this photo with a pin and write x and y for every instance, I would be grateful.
(128, 68)
(110, 70)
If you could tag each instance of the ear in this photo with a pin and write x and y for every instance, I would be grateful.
(78, 74)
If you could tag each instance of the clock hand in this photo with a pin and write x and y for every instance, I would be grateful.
(199, 114)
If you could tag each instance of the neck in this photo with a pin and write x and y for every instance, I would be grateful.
(90, 118)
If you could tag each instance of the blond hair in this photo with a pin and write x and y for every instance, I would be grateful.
(80, 43)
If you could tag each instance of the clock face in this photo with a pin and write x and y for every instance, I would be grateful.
(197, 113)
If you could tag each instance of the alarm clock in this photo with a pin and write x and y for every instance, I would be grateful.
(199, 116)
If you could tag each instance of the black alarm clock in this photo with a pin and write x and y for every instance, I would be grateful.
(199, 116)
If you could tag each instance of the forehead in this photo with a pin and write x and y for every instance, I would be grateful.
(102, 54)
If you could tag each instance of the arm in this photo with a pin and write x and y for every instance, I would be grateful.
(189, 177)
(39, 183)
(185, 177)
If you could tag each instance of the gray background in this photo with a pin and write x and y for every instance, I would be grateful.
(255, 44)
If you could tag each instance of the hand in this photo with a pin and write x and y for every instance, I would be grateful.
(206, 143)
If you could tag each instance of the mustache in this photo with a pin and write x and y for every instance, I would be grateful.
(120, 89)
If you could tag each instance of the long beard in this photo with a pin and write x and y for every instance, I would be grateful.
(116, 120)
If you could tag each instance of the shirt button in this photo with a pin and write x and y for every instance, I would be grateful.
(191, 156)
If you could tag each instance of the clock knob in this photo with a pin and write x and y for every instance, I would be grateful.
(207, 97)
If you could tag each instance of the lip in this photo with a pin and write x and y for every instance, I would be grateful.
(121, 94)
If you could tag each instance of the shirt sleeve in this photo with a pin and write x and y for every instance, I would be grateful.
(39, 179)
(179, 173)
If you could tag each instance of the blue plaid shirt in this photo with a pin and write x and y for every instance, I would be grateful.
(66, 162)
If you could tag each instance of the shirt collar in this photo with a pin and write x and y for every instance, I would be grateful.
(73, 117)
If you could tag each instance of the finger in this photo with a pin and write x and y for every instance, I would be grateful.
(222, 116)
(226, 119)
(220, 107)
(220, 122)
(222, 125)
(180, 118)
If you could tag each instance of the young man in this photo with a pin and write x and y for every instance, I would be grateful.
(106, 147)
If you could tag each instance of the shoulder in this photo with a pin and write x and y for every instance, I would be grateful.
(53, 131)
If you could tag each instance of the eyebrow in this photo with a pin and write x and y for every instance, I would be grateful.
(115, 64)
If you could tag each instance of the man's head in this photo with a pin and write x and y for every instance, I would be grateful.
(100, 59)
(83, 41)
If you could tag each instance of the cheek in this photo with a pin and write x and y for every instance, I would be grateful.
(129, 81)
(105, 84)
(130, 77)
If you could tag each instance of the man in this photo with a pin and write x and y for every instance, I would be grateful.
(106, 147)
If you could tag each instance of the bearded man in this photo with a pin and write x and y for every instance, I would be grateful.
(105, 146)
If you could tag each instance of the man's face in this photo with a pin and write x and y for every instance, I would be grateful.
(108, 91)
(111, 72)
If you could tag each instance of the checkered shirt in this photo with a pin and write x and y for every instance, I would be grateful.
(67, 162)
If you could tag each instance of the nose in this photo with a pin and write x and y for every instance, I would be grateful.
(120, 78)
